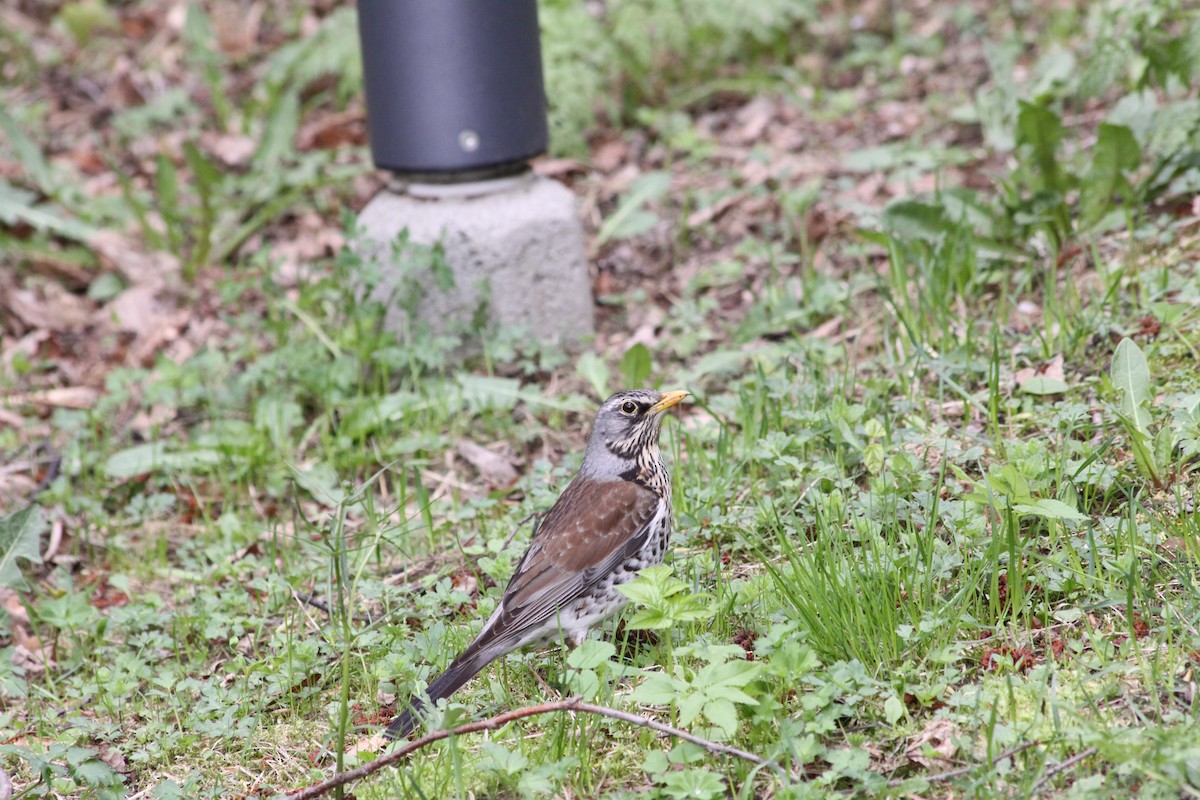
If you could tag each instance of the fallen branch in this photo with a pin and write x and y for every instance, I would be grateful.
(492, 723)
(950, 775)
(712, 747)
(1063, 765)
(321, 605)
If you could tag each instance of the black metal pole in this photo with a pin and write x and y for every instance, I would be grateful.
(454, 87)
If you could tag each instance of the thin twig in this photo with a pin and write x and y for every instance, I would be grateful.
(321, 605)
(56, 537)
(1063, 765)
(942, 777)
(547, 688)
(314, 601)
(54, 466)
(492, 723)
(513, 533)
(645, 722)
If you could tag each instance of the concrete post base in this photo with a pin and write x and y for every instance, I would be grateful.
(514, 247)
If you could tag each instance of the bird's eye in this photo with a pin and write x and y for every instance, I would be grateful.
(628, 407)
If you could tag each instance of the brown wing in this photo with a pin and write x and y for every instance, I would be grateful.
(592, 528)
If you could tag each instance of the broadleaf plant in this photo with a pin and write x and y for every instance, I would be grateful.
(19, 534)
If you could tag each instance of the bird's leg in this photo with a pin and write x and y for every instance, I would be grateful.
(546, 687)
(629, 642)
(555, 681)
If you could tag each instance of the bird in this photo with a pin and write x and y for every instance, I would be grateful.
(613, 519)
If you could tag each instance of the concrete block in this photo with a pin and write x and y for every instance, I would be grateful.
(513, 245)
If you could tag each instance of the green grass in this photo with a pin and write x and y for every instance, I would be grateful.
(891, 561)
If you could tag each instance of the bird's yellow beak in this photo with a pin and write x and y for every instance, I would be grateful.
(669, 399)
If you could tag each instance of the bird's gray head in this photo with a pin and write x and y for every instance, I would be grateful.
(626, 426)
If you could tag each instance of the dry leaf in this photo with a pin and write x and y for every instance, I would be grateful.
(73, 277)
(466, 583)
(493, 467)
(718, 209)
(1054, 369)
(610, 155)
(617, 183)
(26, 346)
(333, 130)
(827, 328)
(10, 419)
(52, 308)
(135, 310)
(647, 332)
(933, 745)
(370, 744)
(152, 419)
(1051, 373)
(114, 758)
(236, 26)
(231, 149)
(139, 267)
(33, 660)
(558, 167)
(753, 119)
(166, 330)
(10, 601)
(81, 397)
(312, 238)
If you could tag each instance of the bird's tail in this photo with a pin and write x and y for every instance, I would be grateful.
(465, 667)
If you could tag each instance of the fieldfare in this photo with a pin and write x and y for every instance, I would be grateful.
(611, 521)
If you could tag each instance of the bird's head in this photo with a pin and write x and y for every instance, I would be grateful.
(626, 425)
